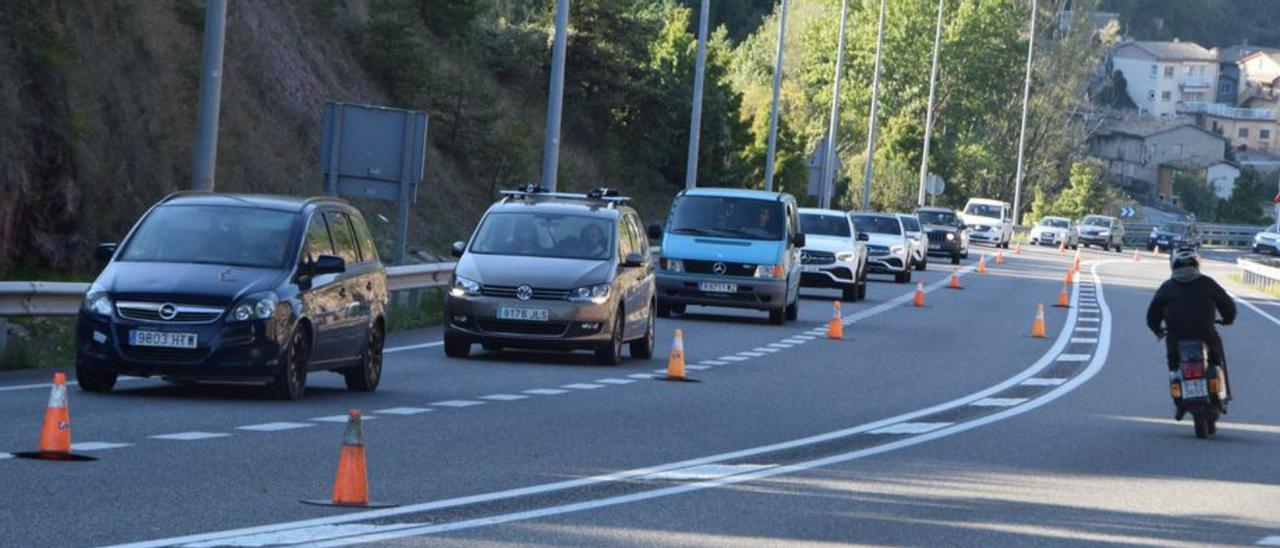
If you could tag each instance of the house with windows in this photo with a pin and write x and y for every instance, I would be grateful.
(1144, 152)
(1161, 75)
(1231, 81)
(1260, 80)
(1245, 128)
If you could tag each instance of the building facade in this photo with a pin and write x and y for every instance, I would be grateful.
(1145, 151)
(1161, 75)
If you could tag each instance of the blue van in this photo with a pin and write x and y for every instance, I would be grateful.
(730, 247)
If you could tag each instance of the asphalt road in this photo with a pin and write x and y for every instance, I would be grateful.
(942, 425)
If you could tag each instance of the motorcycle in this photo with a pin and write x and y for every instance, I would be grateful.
(1199, 386)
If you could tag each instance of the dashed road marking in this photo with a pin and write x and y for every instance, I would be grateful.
(766, 349)
(97, 445)
(457, 403)
(1073, 357)
(1084, 340)
(713, 362)
(695, 367)
(403, 411)
(503, 397)
(780, 346)
(910, 428)
(817, 331)
(733, 358)
(1090, 319)
(615, 381)
(1043, 381)
(998, 402)
(751, 354)
(1087, 329)
(6, 456)
(339, 418)
(797, 340)
(551, 391)
(188, 436)
(582, 386)
(805, 337)
(274, 426)
(644, 376)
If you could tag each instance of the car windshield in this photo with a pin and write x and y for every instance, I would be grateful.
(942, 218)
(531, 234)
(1174, 228)
(910, 223)
(1096, 221)
(727, 217)
(875, 224)
(220, 235)
(825, 225)
(983, 210)
(1055, 223)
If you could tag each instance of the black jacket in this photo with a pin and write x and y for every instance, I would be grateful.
(1187, 309)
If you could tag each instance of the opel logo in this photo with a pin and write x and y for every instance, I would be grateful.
(168, 311)
(524, 292)
(719, 268)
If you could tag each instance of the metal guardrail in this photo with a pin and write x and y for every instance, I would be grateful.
(1136, 234)
(1257, 274)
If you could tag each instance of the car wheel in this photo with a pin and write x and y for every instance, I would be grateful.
(793, 309)
(611, 352)
(456, 345)
(291, 381)
(924, 265)
(862, 287)
(642, 349)
(368, 374)
(95, 380)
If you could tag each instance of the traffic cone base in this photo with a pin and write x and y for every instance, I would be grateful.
(835, 327)
(55, 432)
(350, 485)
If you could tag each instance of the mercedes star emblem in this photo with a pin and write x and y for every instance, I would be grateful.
(719, 268)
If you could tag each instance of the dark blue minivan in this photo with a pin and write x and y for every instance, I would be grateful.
(239, 288)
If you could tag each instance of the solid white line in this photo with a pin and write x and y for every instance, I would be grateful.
(1084, 340)
(503, 397)
(6, 456)
(403, 411)
(457, 403)
(910, 428)
(339, 418)
(123, 378)
(548, 391)
(615, 381)
(274, 426)
(708, 472)
(188, 436)
(998, 402)
(1270, 541)
(395, 349)
(1255, 308)
(1043, 381)
(97, 445)
(582, 386)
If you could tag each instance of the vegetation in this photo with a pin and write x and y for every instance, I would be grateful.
(1208, 22)
(1087, 193)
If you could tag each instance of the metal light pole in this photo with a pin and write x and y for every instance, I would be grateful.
(205, 156)
(555, 97)
(928, 119)
(1022, 133)
(875, 105)
(777, 91)
(829, 155)
(695, 123)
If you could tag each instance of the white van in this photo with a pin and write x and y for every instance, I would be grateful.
(989, 221)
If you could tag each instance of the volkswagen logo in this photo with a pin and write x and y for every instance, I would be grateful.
(524, 292)
(719, 268)
(168, 311)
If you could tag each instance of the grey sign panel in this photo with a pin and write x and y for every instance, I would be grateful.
(370, 152)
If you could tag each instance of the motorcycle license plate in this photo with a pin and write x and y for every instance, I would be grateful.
(1195, 389)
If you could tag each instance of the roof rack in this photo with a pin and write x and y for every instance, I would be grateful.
(529, 191)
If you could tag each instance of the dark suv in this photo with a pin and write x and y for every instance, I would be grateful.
(237, 288)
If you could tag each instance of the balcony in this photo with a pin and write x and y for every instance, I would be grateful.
(1225, 111)
(1196, 81)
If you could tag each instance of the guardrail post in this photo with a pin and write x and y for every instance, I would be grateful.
(4, 335)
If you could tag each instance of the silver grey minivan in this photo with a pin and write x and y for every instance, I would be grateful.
(554, 271)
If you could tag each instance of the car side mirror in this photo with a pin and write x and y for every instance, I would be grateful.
(654, 231)
(864, 237)
(798, 240)
(457, 249)
(105, 252)
(328, 264)
(633, 260)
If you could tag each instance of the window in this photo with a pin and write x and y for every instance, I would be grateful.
(215, 235)
(626, 240)
(530, 234)
(1264, 134)
(730, 217)
(1166, 96)
(1224, 87)
(368, 250)
(640, 241)
(317, 240)
(1151, 95)
(1168, 72)
(1154, 71)
(1243, 133)
(344, 240)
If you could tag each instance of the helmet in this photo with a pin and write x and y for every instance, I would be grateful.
(1184, 256)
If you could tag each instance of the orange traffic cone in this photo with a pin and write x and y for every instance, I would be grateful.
(55, 432)
(1063, 300)
(1017, 249)
(835, 327)
(955, 281)
(982, 264)
(1037, 327)
(351, 484)
(1000, 257)
(675, 362)
(918, 300)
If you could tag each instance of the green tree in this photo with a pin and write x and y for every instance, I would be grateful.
(1196, 196)
(1248, 201)
(1086, 193)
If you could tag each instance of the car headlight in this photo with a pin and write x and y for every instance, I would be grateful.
(97, 301)
(257, 306)
(951, 237)
(464, 286)
(897, 249)
(772, 271)
(598, 294)
(844, 256)
(671, 265)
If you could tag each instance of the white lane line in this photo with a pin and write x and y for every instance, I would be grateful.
(713, 362)
(797, 340)
(1043, 381)
(1089, 319)
(503, 397)
(6, 456)
(662, 371)
(708, 472)
(998, 402)
(188, 436)
(780, 345)
(766, 349)
(457, 404)
(405, 348)
(1254, 308)
(97, 445)
(817, 331)
(1270, 541)
(582, 386)
(696, 367)
(805, 337)
(1083, 340)
(551, 391)
(910, 428)
(751, 354)
(403, 411)
(300, 536)
(1087, 329)
(47, 385)
(615, 381)
(1073, 358)
(643, 376)
(274, 426)
(732, 358)
(340, 418)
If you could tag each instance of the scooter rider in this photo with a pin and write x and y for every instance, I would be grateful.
(1185, 304)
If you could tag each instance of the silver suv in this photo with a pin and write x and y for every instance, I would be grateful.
(555, 271)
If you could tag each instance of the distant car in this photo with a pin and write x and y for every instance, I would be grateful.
(554, 271)
(919, 248)
(231, 287)
(1174, 235)
(1102, 231)
(946, 232)
(834, 255)
(731, 247)
(1056, 231)
(888, 248)
(990, 221)
(1267, 241)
